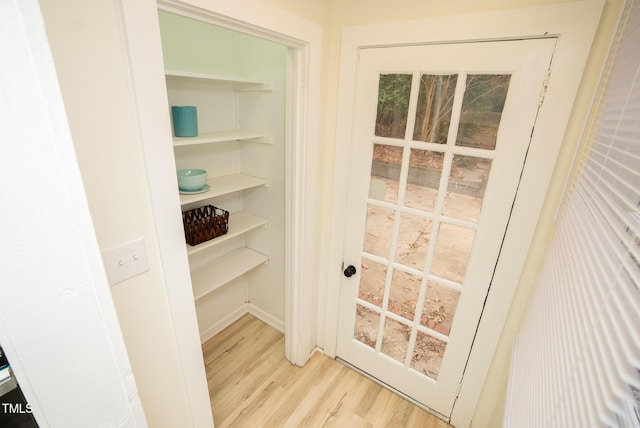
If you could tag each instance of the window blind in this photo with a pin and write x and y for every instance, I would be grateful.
(576, 359)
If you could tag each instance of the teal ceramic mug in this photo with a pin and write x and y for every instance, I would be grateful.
(185, 121)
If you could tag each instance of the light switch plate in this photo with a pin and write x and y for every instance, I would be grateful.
(125, 261)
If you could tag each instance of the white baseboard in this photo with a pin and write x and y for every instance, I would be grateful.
(234, 316)
(318, 350)
(266, 318)
(224, 323)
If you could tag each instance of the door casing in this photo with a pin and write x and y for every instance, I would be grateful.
(574, 41)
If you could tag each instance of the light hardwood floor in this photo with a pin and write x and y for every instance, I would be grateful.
(253, 385)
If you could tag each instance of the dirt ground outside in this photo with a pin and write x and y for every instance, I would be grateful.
(452, 250)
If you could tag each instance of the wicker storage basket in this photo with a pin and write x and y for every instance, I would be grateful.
(204, 223)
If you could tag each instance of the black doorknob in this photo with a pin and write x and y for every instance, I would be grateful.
(350, 271)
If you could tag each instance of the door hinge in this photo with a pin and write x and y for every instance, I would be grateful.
(545, 84)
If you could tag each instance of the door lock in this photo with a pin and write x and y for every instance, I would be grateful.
(350, 271)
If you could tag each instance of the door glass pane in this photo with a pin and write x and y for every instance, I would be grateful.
(467, 183)
(393, 105)
(452, 252)
(427, 355)
(405, 288)
(433, 113)
(439, 307)
(385, 172)
(413, 240)
(396, 339)
(482, 105)
(378, 230)
(425, 169)
(373, 276)
(366, 329)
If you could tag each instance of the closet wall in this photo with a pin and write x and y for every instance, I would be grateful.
(226, 103)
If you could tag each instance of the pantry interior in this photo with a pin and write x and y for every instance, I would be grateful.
(238, 83)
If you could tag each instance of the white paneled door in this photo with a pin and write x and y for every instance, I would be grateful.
(440, 138)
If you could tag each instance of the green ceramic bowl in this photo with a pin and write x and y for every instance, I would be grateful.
(191, 180)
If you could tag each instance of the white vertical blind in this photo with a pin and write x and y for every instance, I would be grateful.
(576, 360)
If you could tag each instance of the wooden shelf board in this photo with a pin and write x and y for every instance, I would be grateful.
(221, 137)
(225, 269)
(239, 224)
(219, 186)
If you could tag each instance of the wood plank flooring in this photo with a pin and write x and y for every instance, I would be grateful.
(252, 385)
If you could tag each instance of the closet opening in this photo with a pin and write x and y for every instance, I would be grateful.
(242, 86)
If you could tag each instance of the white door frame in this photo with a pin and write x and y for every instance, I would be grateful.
(574, 24)
(303, 38)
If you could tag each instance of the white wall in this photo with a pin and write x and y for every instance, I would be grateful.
(266, 62)
(90, 54)
(58, 325)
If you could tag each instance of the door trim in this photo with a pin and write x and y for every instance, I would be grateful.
(574, 42)
(303, 39)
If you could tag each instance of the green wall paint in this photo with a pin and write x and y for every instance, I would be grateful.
(189, 45)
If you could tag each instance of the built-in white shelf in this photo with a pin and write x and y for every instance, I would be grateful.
(221, 137)
(225, 269)
(239, 224)
(219, 186)
(239, 83)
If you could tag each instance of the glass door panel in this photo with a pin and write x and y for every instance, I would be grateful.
(439, 308)
(395, 341)
(393, 105)
(452, 251)
(385, 172)
(482, 105)
(467, 184)
(372, 280)
(423, 179)
(405, 288)
(405, 220)
(413, 240)
(435, 105)
(427, 355)
(366, 330)
(378, 229)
